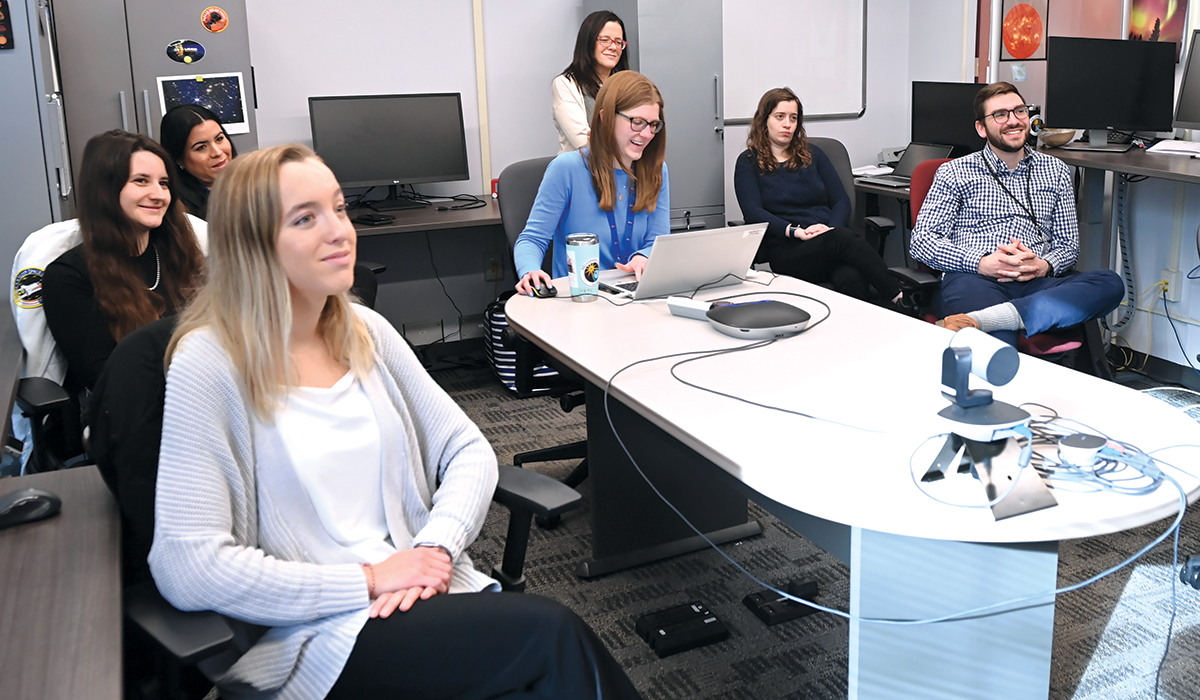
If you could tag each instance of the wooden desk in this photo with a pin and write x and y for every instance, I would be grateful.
(850, 490)
(60, 594)
(430, 219)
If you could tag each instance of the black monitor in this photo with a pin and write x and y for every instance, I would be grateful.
(944, 113)
(1102, 84)
(369, 140)
(1187, 109)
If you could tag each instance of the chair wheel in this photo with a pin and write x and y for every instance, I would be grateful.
(548, 522)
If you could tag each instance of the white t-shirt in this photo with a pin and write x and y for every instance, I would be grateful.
(332, 438)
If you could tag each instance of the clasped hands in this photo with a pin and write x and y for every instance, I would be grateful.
(408, 576)
(1013, 262)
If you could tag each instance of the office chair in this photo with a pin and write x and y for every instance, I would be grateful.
(517, 189)
(875, 228)
(126, 420)
(1082, 344)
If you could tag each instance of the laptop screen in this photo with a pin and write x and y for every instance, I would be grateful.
(918, 153)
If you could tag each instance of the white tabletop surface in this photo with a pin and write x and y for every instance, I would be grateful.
(864, 367)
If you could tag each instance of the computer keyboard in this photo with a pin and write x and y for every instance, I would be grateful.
(628, 286)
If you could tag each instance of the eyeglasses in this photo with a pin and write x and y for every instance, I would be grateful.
(606, 40)
(639, 125)
(1001, 116)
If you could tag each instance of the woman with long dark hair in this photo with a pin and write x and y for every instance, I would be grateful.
(139, 260)
(200, 148)
(790, 184)
(599, 52)
(619, 180)
(316, 482)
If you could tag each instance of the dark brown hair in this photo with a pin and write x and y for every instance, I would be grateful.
(583, 65)
(623, 92)
(110, 245)
(759, 140)
(987, 92)
(174, 132)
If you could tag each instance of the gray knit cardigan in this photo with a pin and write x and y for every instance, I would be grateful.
(234, 531)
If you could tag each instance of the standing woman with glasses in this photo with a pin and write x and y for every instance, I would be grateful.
(790, 184)
(615, 188)
(599, 52)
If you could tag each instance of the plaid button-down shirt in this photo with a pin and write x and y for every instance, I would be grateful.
(967, 212)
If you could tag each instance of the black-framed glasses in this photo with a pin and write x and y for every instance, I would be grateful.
(639, 125)
(1001, 116)
(605, 41)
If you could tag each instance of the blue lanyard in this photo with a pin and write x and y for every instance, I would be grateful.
(622, 246)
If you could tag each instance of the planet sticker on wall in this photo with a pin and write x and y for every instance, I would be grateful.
(185, 51)
(214, 19)
(1024, 30)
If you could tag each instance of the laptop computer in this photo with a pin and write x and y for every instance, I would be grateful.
(687, 261)
(914, 155)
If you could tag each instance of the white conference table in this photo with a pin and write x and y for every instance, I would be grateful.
(849, 490)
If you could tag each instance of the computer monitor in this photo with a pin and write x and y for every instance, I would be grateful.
(1102, 84)
(944, 113)
(1187, 109)
(369, 140)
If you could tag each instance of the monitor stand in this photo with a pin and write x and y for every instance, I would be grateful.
(1097, 141)
(395, 201)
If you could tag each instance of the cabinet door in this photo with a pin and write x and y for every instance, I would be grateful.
(153, 24)
(93, 62)
(679, 48)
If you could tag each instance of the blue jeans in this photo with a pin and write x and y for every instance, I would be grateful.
(1044, 303)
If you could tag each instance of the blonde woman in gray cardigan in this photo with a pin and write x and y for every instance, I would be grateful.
(315, 484)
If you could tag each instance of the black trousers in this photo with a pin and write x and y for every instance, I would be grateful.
(839, 257)
(481, 645)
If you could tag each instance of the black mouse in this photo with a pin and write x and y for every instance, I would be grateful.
(26, 506)
(546, 292)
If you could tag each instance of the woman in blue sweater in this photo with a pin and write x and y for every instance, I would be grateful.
(785, 181)
(615, 188)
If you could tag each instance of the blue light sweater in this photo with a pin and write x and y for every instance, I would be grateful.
(567, 203)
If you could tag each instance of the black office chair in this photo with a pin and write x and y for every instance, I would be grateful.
(517, 189)
(875, 228)
(126, 420)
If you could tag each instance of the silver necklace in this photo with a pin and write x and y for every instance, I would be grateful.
(157, 269)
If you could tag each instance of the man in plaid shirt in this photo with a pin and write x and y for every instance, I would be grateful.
(1000, 224)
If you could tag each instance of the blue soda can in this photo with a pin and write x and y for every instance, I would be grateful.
(583, 265)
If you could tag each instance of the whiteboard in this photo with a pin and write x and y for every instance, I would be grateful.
(815, 47)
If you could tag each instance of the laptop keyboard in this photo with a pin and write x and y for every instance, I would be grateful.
(628, 286)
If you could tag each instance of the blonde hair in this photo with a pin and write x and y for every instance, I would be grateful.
(621, 92)
(246, 301)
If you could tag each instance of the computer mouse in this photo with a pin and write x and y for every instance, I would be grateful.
(26, 506)
(546, 292)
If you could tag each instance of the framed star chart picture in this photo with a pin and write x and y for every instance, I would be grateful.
(223, 94)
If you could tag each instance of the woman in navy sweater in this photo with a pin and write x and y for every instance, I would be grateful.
(785, 181)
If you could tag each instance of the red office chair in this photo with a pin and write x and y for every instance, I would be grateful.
(1081, 344)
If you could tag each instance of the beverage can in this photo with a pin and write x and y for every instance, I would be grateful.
(583, 266)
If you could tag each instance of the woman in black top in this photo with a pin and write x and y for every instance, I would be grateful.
(139, 260)
(200, 149)
(791, 185)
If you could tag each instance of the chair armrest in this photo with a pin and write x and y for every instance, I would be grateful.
(914, 279)
(189, 636)
(38, 395)
(377, 268)
(880, 223)
(523, 489)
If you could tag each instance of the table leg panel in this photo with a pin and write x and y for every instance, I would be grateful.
(627, 516)
(996, 655)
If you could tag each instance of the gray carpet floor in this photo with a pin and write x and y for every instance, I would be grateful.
(1108, 640)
